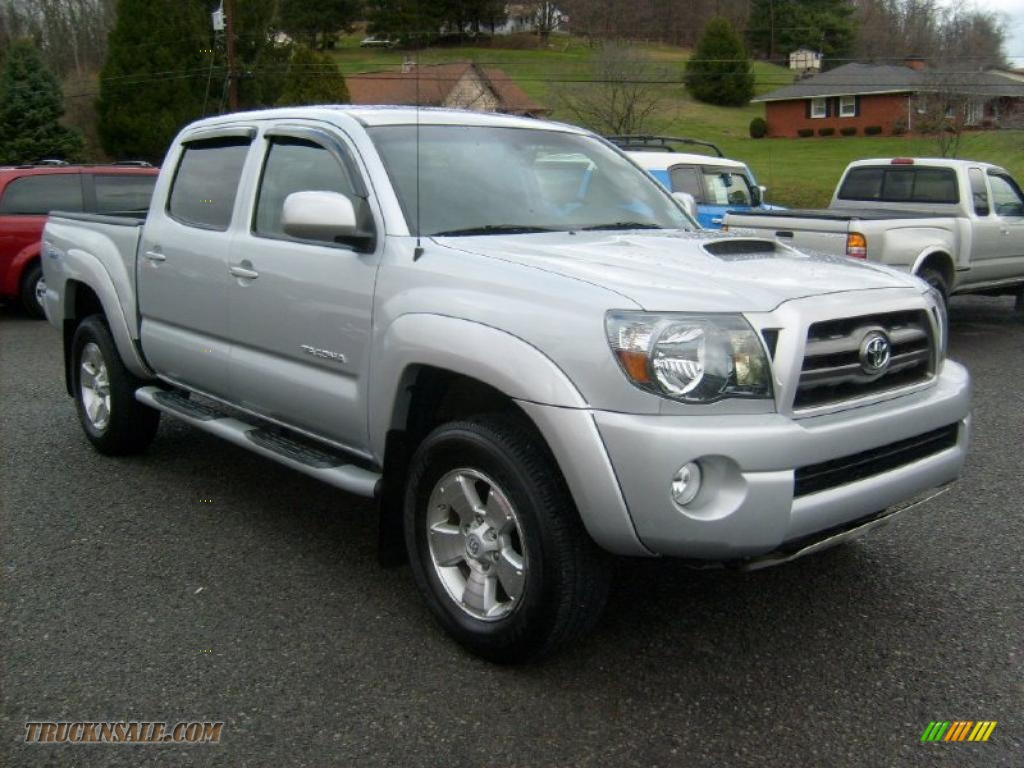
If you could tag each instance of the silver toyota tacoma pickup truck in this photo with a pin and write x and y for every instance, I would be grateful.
(517, 342)
(956, 224)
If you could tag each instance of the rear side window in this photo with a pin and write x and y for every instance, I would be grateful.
(686, 179)
(124, 193)
(901, 185)
(979, 192)
(206, 182)
(38, 195)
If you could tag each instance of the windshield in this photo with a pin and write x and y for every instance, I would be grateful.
(482, 180)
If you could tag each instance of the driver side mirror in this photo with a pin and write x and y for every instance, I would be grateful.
(757, 195)
(325, 216)
(687, 201)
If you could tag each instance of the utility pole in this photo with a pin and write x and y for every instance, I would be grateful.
(229, 11)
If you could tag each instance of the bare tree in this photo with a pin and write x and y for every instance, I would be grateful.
(622, 94)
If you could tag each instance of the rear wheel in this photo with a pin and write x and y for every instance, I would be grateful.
(936, 280)
(495, 543)
(114, 421)
(33, 290)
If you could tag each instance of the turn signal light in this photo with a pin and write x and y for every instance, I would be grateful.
(856, 246)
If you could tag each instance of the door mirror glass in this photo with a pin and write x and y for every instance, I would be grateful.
(316, 215)
(757, 196)
(688, 202)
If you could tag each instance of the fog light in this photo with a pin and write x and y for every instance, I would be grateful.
(686, 484)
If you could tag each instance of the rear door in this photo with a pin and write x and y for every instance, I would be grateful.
(300, 309)
(183, 263)
(24, 205)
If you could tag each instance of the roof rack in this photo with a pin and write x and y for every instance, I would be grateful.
(658, 143)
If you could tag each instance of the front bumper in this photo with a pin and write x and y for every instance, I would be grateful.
(747, 507)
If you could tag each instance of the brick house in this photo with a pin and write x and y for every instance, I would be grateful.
(461, 84)
(889, 99)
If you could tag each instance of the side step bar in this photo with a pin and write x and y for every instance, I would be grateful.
(332, 467)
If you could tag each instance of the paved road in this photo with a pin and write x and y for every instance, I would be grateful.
(315, 657)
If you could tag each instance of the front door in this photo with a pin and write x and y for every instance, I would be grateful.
(1008, 207)
(301, 310)
(183, 267)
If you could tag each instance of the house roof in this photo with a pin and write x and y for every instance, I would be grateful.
(430, 85)
(865, 79)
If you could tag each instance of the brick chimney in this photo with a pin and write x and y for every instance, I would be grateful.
(915, 62)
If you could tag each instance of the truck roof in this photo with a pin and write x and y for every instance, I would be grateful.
(371, 115)
(660, 161)
(935, 162)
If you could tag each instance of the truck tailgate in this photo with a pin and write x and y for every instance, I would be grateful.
(814, 232)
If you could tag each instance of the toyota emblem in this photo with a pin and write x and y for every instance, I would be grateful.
(875, 353)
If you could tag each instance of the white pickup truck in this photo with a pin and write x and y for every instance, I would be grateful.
(958, 224)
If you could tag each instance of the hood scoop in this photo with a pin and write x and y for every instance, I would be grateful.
(741, 249)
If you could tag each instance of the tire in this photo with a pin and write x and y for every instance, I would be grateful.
(538, 535)
(935, 279)
(114, 421)
(30, 281)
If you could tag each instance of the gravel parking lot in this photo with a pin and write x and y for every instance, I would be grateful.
(200, 582)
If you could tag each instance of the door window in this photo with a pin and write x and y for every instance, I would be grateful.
(38, 195)
(686, 179)
(206, 182)
(1006, 196)
(726, 188)
(297, 165)
(123, 193)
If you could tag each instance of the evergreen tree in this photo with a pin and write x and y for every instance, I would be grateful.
(313, 78)
(778, 27)
(154, 80)
(719, 72)
(410, 21)
(30, 108)
(316, 22)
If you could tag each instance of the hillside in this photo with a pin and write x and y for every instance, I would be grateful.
(798, 172)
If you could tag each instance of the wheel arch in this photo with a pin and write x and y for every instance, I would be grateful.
(938, 260)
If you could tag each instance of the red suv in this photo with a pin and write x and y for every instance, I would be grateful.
(28, 193)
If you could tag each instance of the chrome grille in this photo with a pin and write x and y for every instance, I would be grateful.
(834, 367)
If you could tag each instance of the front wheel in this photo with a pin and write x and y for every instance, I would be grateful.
(114, 421)
(495, 543)
(935, 279)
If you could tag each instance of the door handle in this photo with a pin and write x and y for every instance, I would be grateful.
(243, 272)
(783, 233)
(717, 220)
(1005, 231)
(155, 256)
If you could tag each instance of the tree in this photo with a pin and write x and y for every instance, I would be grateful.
(623, 93)
(154, 81)
(30, 107)
(777, 27)
(313, 78)
(720, 70)
(317, 21)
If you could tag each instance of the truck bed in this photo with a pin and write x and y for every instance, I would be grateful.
(846, 214)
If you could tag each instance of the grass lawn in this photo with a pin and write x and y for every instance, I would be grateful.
(797, 172)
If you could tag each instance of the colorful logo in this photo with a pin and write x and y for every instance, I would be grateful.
(959, 730)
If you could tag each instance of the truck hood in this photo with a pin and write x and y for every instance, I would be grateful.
(695, 271)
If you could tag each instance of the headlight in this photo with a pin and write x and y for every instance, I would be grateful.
(692, 358)
(941, 316)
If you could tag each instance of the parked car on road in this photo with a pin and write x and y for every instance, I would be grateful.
(28, 193)
(958, 224)
(374, 41)
(526, 374)
(717, 184)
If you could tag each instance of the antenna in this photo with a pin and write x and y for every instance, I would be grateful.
(418, 250)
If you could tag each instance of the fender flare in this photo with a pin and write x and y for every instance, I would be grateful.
(529, 377)
(928, 253)
(83, 267)
(16, 270)
(492, 356)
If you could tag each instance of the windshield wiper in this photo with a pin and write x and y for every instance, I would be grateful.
(494, 229)
(624, 225)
